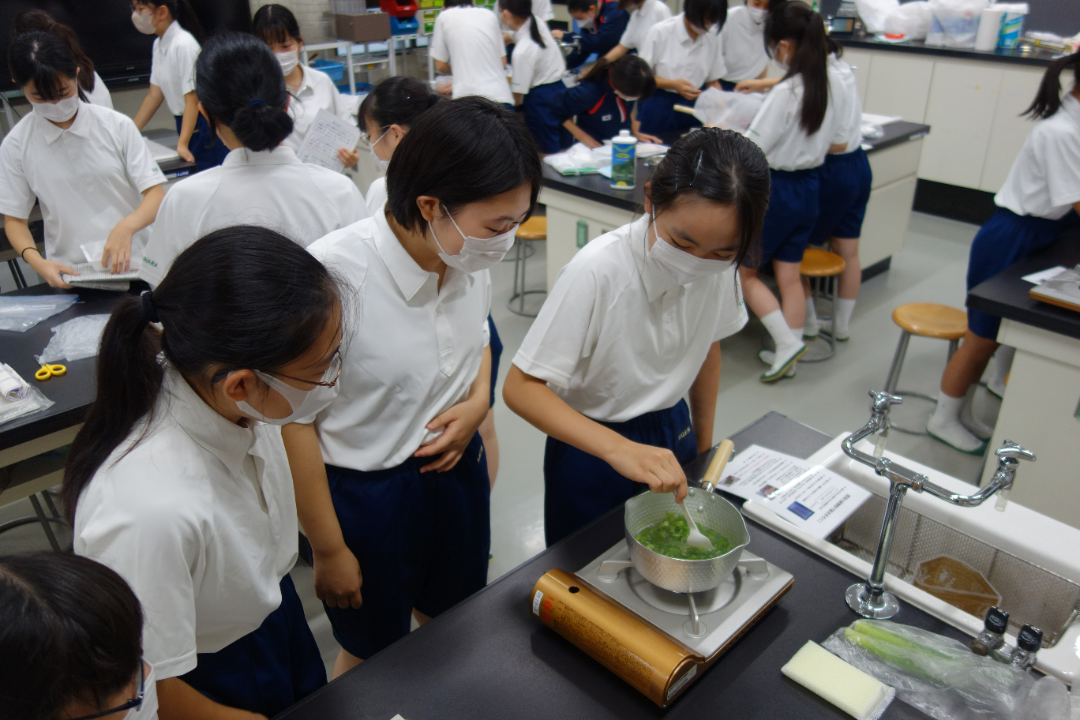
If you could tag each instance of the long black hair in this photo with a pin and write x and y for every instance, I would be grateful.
(502, 156)
(796, 22)
(181, 12)
(45, 60)
(396, 101)
(31, 20)
(276, 24)
(704, 13)
(522, 9)
(721, 166)
(1048, 100)
(70, 629)
(262, 318)
(240, 85)
(630, 75)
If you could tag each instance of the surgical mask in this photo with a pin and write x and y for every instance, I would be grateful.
(304, 403)
(148, 709)
(383, 164)
(758, 15)
(586, 24)
(477, 253)
(59, 111)
(143, 22)
(701, 30)
(680, 266)
(288, 60)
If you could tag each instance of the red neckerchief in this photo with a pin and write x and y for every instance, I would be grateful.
(618, 101)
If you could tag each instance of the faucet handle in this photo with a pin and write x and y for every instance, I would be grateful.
(882, 400)
(1011, 450)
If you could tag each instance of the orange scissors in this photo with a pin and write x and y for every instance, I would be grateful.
(49, 371)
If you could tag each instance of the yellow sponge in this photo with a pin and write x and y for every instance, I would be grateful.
(845, 686)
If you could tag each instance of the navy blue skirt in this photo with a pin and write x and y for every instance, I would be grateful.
(267, 670)
(791, 217)
(579, 487)
(844, 190)
(1005, 239)
(204, 144)
(541, 122)
(496, 355)
(657, 115)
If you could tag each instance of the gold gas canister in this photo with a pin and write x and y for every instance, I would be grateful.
(651, 662)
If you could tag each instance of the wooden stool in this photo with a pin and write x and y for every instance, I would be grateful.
(822, 267)
(928, 320)
(532, 230)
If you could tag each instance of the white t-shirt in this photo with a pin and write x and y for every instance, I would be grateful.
(317, 92)
(376, 195)
(672, 54)
(777, 132)
(534, 65)
(542, 10)
(744, 45)
(271, 189)
(844, 93)
(469, 39)
(100, 95)
(86, 178)
(1045, 179)
(415, 350)
(200, 520)
(617, 338)
(173, 66)
(641, 20)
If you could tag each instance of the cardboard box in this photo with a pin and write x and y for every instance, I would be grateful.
(369, 27)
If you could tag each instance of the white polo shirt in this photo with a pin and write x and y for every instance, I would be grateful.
(414, 349)
(617, 338)
(534, 65)
(376, 195)
(317, 92)
(777, 132)
(1045, 179)
(100, 95)
(744, 45)
(641, 20)
(200, 520)
(173, 66)
(86, 178)
(469, 39)
(673, 55)
(542, 10)
(271, 189)
(844, 92)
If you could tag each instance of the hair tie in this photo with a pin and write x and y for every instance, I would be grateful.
(148, 307)
(255, 102)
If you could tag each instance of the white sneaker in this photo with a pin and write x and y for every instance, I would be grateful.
(768, 357)
(955, 436)
(782, 364)
(977, 427)
(825, 326)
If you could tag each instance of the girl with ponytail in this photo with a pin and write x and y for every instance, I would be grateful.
(537, 72)
(172, 76)
(242, 97)
(796, 127)
(89, 81)
(179, 479)
(1039, 200)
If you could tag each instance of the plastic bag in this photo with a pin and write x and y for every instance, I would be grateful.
(874, 12)
(955, 23)
(943, 678)
(727, 110)
(19, 313)
(580, 160)
(33, 401)
(911, 20)
(75, 339)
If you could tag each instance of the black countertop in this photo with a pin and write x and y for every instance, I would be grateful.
(598, 188)
(489, 657)
(1040, 58)
(1006, 295)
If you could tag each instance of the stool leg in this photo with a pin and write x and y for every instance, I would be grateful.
(897, 363)
(52, 507)
(832, 310)
(521, 300)
(517, 265)
(954, 345)
(44, 520)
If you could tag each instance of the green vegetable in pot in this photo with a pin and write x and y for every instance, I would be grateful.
(668, 537)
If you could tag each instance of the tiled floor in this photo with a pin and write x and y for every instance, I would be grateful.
(830, 396)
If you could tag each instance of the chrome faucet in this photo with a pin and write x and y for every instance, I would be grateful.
(870, 598)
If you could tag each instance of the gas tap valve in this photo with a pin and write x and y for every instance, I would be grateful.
(1009, 456)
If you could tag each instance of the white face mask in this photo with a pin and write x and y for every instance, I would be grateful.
(681, 266)
(288, 60)
(758, 15)
(304, 403)
(143, 22)
(59, 111)
(148, 710)
(477, 253)
(701, 30)
(586, 24)
(383, 164)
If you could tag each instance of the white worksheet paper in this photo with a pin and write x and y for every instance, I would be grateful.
(325, 136)
(808, 496)
(1038, 277)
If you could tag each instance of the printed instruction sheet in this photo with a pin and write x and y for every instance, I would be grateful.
(325, 137)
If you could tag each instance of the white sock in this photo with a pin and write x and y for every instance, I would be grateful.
(777, 326)
(842, 315)
(948, 409)
(967, 418)
(810, 325)
(945, 424)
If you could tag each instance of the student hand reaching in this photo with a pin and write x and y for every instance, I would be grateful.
(182, 148)
(338, 578)
(557, 34)
(50, 271)
(459, 424)
(645, 137)
(686, 89)
(349, 157)
(755, 85)
(653, 466)
(117, 254)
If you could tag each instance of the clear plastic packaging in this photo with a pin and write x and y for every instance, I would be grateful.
(33, 401)
(19, 313)
(727, 110)
(912, 19)
(955, 22)
(75, 339)
(943, 678)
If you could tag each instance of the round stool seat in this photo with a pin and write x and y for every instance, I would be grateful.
(820, 263)
(535, 228)
(931, 320)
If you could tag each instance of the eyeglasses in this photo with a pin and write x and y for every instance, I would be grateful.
(334, 370)
(130, 704)
(365, 139)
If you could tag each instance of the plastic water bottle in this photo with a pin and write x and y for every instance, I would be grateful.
(623, 160)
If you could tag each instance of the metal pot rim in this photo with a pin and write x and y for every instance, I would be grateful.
(735, 549)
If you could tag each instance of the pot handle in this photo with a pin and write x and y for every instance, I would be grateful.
(717, 464)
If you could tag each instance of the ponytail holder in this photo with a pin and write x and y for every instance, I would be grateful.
(148, 307)
(255, 102)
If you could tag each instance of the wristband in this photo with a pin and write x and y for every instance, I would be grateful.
(23, 253)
